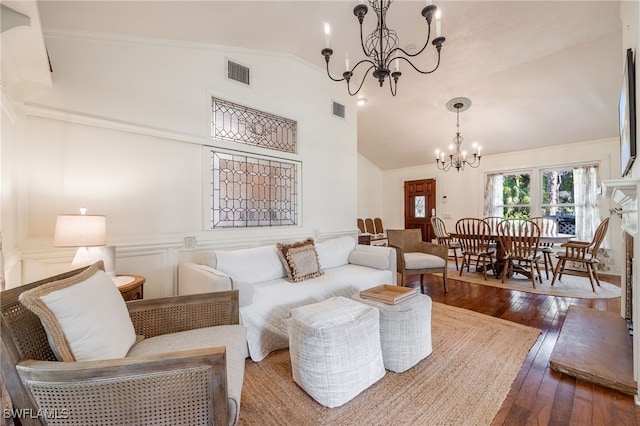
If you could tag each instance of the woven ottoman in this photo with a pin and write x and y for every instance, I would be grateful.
(405, 331)
(335, 349)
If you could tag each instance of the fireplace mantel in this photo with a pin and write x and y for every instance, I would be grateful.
(624, 193)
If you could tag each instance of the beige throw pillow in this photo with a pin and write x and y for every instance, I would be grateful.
(85, 316)
(300, 259)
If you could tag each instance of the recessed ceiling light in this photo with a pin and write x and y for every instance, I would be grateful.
(362, 101)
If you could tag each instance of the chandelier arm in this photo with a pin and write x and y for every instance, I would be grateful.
(363, 78)
(373, 64)
(332, 78)
(413, 55)
(419, 70)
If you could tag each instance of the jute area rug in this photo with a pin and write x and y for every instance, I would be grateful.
(568, 286)
(464, 381)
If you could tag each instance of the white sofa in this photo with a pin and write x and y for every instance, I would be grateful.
(266, 295)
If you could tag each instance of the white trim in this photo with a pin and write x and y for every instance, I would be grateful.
(115, 38)
(7, 107)
(109, 123)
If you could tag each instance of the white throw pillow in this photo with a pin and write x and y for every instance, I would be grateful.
(85, 316)
(335, 252)
(251, 266)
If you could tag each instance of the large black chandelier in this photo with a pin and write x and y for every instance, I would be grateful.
(457, 158)
(381, 46)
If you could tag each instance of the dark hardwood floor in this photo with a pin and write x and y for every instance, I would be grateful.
(539, 395)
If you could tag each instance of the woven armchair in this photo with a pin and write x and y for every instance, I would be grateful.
(417, 257)
(183, 387)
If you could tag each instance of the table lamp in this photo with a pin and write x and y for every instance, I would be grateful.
(89, 234)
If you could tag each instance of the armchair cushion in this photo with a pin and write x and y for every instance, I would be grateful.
(418, 260)
(234, 337)
(85, 316)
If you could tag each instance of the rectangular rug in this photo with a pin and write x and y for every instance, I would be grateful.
(466, 378)
(568, 286)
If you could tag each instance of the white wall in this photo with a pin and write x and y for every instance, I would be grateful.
(369, 189)
(464, 191)
(122, 130)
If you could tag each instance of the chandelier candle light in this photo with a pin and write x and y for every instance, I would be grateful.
(381, 46)
(457, 158)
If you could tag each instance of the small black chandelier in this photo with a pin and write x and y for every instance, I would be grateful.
(381, 46)
(457, 158)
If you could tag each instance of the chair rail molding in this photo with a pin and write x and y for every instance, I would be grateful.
(624, 193)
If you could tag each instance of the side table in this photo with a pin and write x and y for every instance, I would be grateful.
(130, 286)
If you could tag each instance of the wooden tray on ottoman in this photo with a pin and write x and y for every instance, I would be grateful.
(389, 294)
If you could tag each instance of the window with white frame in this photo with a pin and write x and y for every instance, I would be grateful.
(246, 188)
(567, 194)
(508, 195)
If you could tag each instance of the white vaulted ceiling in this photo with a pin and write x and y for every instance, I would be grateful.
(539, 73)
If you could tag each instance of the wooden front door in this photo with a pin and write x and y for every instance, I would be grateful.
(419, 205)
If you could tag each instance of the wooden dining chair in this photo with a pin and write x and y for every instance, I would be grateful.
(369, 226)
(374, 227)
(547, 226)
(443, 237)
(583, 253)
(519, 239)
(493, 222)
(474, 236)
(361, 226)
(377, 223)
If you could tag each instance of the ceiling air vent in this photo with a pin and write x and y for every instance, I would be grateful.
(338, 110)
(237, 72)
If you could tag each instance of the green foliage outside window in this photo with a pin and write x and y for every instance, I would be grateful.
(557, 189)
(516, 190)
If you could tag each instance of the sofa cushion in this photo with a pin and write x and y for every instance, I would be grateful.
(85, 316)
(265, 318)
(417, 260)
(300, 259)
(233, 337)
(335, 252)
(372, 260)
(253, 265)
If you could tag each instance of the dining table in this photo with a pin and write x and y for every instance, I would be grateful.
(555, 238)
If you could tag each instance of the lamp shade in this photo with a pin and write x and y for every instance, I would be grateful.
(78, 230)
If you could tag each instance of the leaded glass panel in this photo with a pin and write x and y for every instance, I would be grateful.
(419, 208)
(251, 191)
(250, 126)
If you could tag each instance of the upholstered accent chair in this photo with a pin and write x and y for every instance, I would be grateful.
(582, 253)
(188, 368)
(417, 257)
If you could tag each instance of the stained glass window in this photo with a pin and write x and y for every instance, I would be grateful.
(252, 191)
(419, 206)
(250, 126)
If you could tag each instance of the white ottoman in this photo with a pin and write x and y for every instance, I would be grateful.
(335, 349)
(405, 331)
